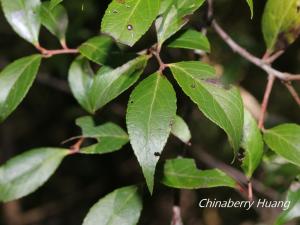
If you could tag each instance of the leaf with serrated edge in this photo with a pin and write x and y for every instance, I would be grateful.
(55, 20)
(222, 106)
(184, 174)
(280, 23)
(93, 92)
(253, 144)
(15, 81)
(293, 211)
(80, 80)
(181, 130)
(173, 18)
(121, 207)
(127, 21)
(25, 173)
(285, 141)
(23, 16)
(110, 136)
(191, 39)
(98, 49)
(151, 110)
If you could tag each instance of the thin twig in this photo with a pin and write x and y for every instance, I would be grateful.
(274, 56)
(251, 58)
(293, 92)
(48, 53)
(265, 102)
(176, 217)
(76, 147)
(162, 65)
(250, 191)
(212, 162)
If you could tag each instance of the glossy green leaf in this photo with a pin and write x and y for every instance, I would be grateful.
(23, 16)
(110, 137)
(181, 130)
(285, 141)
(183, 173)
(100, 49)
(222, 106)
(95, 91)
(293, 210)
(127, 21)
(164, 6)
(121, 207)
(174, 18)
(80, 79)
(281, 23)
(55, 20)
(253, 144)
(54, 3)
(15, 81)
(191, 39)
(250, 3)
(25, 173)
(151, 110)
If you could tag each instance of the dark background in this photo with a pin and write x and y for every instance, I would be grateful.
(46, 118)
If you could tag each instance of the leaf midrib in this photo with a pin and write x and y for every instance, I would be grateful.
(199, 82)
(280, 23)
(25, 67)
(151, 106)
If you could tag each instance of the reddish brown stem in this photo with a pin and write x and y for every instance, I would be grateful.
(250, 191)
(162, 65)
(293, 92)
(176, 218)
(265, 102)
(48, 53)
(76, 147)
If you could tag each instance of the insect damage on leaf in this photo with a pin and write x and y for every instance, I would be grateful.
(288, 37)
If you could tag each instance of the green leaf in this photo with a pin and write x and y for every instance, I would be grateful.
(15, 81)
(250, 3)
(222, 106)
(54, 3)
(110, 136)
(191, 39)
(25, 173)
(93, 92)
(293, 210)
(181, 130)
(127, 21)
(55, 20)
(99, 49)
(174, 18)
(164, 6)
(81, 78)
(183, 173)
(121, 207)
(23, 16)
(281, 23)
(253, 144)
(285, 141)
(151, 110)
